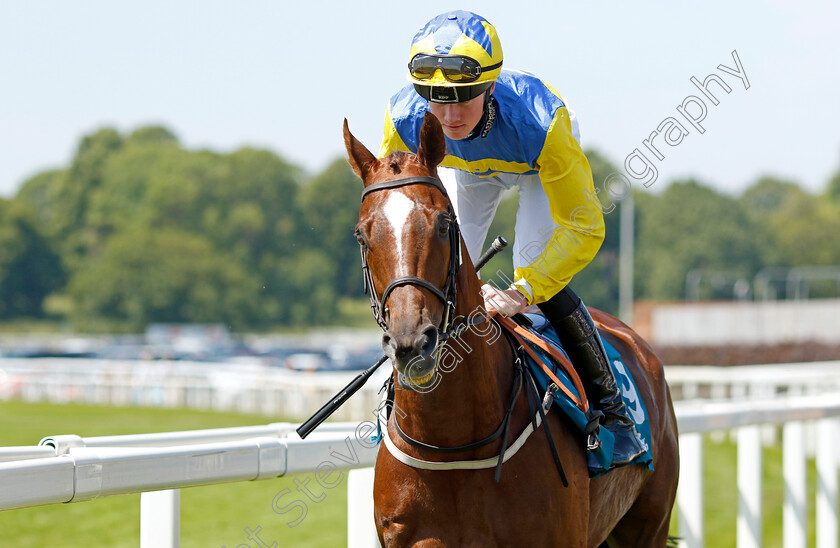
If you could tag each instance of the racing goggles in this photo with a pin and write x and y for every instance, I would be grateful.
(451, 94)
(458, 69)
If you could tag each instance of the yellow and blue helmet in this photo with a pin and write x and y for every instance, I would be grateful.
(457, 56)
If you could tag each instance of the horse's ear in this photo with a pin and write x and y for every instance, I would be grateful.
(432, 147)
(361, 159)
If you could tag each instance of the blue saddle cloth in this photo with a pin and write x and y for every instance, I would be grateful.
(601, 460)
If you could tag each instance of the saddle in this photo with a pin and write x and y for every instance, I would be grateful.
(550, 367)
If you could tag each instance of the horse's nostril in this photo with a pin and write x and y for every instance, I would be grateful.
(396, 345)
(401, 347)
(426, 342)
(391, 346)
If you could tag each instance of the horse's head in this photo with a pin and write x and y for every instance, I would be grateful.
(410, 249)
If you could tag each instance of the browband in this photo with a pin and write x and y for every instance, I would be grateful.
(434, 181)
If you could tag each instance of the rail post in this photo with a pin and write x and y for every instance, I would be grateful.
(749, 487)
(361, 532)
(690, 491)
(160, 519)
(827, 530)
(794, 524)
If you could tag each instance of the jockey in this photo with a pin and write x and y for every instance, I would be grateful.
(508, 128)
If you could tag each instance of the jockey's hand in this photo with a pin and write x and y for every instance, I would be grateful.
(506, 302)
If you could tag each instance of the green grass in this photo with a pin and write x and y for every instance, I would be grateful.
(211, 516)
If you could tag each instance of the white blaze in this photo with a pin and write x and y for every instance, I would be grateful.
(397, 209)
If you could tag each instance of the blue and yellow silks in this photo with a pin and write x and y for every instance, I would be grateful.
(531, 134)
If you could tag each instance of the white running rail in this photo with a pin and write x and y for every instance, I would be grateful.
(747, 417)
(752, 381)
(244, 388)
(70, 468)
(272, 391)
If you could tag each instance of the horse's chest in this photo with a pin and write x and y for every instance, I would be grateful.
(466, 509)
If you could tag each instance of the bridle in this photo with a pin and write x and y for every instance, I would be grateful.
(449, 294)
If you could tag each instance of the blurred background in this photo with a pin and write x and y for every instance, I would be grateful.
(175, 201)
(184, 163)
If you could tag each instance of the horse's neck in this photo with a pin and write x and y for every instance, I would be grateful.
(472, 393)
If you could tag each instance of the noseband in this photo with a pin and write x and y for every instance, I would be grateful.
(448, 295)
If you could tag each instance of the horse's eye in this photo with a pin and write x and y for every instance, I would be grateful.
(443, 228)
(360, 238)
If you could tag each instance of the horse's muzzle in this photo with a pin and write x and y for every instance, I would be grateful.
(413, 355)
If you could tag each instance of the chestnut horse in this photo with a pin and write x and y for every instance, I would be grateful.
(410, 257)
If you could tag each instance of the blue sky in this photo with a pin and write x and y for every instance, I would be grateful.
(283, 75)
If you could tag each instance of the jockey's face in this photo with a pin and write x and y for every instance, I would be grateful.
(459, 119)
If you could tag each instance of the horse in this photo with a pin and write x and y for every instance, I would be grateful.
(426, 302)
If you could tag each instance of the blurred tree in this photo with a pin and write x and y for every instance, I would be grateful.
(62, 197)
(255, 215)
(250, 219)
(243, 207)
(152, 134)
(93, 153)
(40, 193)
(242, 203)
(329, 208)
(833, 187)
(122, 195)
(688, 227)
(769, 195)
(798, 223)
(308, 291)
(29, 269)
(259, 180)
(145, 275)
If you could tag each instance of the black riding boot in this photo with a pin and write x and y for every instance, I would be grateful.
(583, 343)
